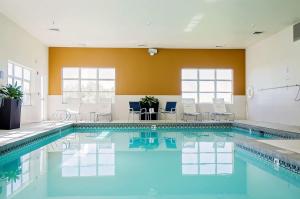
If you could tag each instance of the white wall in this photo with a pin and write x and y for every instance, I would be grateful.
(120, 106)
(19, 46)
(270, 63)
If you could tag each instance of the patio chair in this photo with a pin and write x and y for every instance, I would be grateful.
(189, 109)
(104, 111)
(170, 109)
(135, 109)
(72, 111)
(220, 110)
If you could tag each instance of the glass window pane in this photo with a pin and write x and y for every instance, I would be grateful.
(69, 171)
(206, 74)
(70, 72)
(207, 86)
(106, 159)
(207, 169)
(88, 171)
(224, 86)
(190, 95)
(88, 85)
(18, 71)
(225, 74)
(106, 170)
(206, 146)
(70, 85)
(189, 74)
(88, 97)
(26, 74)
(206, 97)
(190, 169)
(207, 158)
(227, 97)
(89, 73)
(10, 69)
(106, 73)
(106, 95)
(87, 159)
(224, 169)
(26, 87)
(18, 81)
(9, 80)
(189, 158)
(188, 86)
(107, 85)
(224, 158)
(68, 96)
(224, 147)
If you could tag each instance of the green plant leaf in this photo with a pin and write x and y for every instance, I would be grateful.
(11, 92)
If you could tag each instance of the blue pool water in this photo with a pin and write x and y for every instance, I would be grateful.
(140, 163)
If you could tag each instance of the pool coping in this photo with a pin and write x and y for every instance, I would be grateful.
(287, 159)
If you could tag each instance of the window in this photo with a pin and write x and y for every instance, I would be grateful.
(89, 160)
(22, 76)
(90, 85)
(207, 158)
(23, 179)
(204, 85)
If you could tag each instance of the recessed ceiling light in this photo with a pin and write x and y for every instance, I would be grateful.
(257, 32)
(54, 29)
(141, 45)
(219, 46)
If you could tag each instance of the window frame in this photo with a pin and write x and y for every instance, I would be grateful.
(215, 80)
(80, 79)
(22, 79)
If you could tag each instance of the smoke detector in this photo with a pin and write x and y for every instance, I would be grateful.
(152, 51)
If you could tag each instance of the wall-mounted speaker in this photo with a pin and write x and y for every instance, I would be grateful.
(296, 32)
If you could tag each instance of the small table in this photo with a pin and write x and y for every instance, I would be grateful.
(149, 114)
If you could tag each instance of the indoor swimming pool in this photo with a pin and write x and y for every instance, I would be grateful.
(144, 163)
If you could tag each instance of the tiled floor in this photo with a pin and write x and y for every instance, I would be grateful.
(270, 125)
(27, 130)
(290, 145)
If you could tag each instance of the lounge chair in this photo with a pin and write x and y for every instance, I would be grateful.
(220, 110)
(104, 111)
(135, 109)
(71, 112)
(170, 109)
(189, 109)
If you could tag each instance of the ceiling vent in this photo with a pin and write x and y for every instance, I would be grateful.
(296, 32)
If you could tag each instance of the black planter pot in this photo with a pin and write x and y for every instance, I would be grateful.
(10, 114)
(155, 106)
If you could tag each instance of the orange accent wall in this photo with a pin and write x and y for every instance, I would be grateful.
(137, 73)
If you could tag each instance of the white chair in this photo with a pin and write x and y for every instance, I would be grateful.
(72, 111)
(220, 110)
(104, 111)
(189, 109)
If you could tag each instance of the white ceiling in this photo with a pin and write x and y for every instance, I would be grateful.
(155, 23)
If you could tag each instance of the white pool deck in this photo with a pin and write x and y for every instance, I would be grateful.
(27, 130)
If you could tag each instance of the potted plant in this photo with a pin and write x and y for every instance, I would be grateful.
(10, 109)
(150, 102)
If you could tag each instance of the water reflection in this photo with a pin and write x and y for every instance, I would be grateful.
(207, 158)
(89, 159)
(165, 165)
